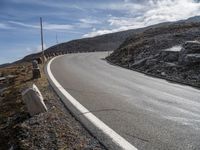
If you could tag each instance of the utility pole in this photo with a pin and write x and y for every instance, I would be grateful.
(128, 58)
(57, 43)
(42, 43)
(56, 38)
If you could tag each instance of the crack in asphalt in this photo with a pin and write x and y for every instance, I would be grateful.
(142, 139)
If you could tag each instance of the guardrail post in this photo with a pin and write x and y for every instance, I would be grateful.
(36, 70)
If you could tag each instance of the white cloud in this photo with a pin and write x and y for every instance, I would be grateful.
(5, 26)
(35, 49)
(97, 32)
(46, 26)
(89, 21)
(148, 13)
(57, 26)
(171, 10)
(47, 3)
(39, 48)
(23, 24)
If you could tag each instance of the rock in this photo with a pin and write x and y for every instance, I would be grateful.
(2, 80)
(191, 59)
(190, 53)
(169, 64)
(169, 56)
(163, 73)
(10, 79)
(139, 63)
(34, 100)
(151, 62)
(2, 89)
(11, 148)
(190, 47)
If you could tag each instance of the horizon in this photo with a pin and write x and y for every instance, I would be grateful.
(69, 20)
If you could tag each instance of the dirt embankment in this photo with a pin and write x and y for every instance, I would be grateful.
(55, 129)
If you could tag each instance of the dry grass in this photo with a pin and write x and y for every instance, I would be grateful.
(12, 109)
(55, 129)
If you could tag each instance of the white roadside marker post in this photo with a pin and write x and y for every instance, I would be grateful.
(34, 100)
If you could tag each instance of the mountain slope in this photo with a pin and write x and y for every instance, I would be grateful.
(147, 52)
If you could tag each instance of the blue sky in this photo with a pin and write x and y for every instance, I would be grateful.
(72, 19)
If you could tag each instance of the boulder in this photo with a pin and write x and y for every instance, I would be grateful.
(190, 47)
(169, 56)
(163, 74)
(10, 79)
(190, 59)
(34, 100)
(190, 53)
(151, 62)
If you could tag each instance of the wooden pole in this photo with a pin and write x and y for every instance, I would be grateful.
(42, 43)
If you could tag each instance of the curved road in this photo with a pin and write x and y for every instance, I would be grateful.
(148, 112)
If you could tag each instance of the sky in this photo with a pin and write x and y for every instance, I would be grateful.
(75, 19)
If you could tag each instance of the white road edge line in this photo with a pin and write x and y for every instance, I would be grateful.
(117, 139)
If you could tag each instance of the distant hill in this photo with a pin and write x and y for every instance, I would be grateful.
(105, 42)
(100, 43)
(4, 65)
(193, 19)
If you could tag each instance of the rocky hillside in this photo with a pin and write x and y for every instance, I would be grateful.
(163, 52)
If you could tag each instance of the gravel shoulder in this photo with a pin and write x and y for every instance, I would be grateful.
(55, 129)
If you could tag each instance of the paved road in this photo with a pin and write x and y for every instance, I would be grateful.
(148, 112)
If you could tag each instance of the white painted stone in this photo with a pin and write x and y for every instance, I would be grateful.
(34, 100)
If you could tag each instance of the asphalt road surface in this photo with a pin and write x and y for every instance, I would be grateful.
(148, 112)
